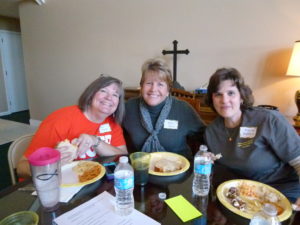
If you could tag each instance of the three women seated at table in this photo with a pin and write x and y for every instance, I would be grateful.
(256, 143)
(93, 125)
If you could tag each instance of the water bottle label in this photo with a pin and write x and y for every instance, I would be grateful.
(203, 169)
(124, 183)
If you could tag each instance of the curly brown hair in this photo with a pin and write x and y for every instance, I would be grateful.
(234, 75)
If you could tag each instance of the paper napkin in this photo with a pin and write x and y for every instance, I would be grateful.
(183, 208)
(66, 193)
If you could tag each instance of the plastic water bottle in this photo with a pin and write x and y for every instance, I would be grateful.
(124, 184)
(202, 170)
(267, 216)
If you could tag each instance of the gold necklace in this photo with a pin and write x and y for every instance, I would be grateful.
(231, 134)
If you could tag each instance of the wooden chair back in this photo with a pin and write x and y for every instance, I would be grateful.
(188, 97)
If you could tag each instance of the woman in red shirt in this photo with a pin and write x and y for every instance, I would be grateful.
(93, 125)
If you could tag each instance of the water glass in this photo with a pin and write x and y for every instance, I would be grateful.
(140, 163)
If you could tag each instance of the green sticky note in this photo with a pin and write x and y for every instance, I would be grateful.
(183, 208)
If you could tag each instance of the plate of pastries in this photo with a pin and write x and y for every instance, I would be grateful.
(247, 197)
(167, 164)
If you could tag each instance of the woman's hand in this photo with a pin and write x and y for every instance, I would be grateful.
(212, 156)
(296, 205)
(67, 154)
(84, 143)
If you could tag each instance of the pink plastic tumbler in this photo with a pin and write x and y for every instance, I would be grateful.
(46, 175)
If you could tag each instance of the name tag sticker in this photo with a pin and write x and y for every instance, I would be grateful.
(171, 124)
(248, 132)
(104, 128)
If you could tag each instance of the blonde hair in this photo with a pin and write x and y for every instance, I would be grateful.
(160, 66)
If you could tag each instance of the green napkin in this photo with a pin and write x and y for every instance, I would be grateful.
(183, 208)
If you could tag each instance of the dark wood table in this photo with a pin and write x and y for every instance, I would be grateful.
(146, 201)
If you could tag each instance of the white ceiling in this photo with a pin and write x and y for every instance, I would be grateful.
(9, 8)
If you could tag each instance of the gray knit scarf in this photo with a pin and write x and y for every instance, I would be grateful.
(152, 143)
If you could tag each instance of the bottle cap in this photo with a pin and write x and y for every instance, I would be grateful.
(123, 159)
(162, 195)
(203, 148)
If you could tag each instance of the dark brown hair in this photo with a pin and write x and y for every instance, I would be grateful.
(103, 81)
(232, 74)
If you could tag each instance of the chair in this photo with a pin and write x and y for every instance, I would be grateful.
(271, 107)
(188, 97)
(15, 152)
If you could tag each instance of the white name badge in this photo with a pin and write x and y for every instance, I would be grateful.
(247, 132)
(171, 124)
(104, 128)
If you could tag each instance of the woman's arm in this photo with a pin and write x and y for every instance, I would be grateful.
(105, 149)
(23, 168)
(85, 141)
(297, 203)
(296, 164)
(102, 149)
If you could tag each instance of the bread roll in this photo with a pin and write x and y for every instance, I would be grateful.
(167, 165)
(71, 149)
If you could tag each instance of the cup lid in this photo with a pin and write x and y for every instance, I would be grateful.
(44, 156)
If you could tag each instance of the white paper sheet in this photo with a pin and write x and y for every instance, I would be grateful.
(100, 210)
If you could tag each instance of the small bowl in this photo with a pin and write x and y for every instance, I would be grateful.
(21, 218)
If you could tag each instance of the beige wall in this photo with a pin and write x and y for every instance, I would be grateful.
(68, 43)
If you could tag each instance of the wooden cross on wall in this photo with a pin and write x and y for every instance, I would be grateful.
(175, 52)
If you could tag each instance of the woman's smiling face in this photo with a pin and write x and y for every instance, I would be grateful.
(154, 90)
(106, 100)
(227, 101)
